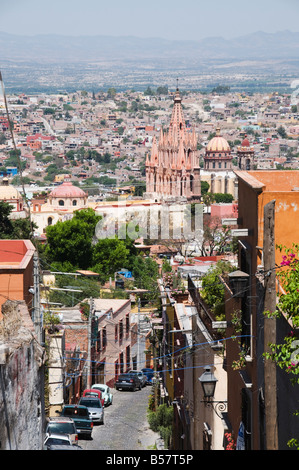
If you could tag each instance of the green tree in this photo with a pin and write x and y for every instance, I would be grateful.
(162, 90)
(282, 132)
(20, 229)
(161, 421)
(148, 91)
(145, 272)
(88, 287)
(109, 256)
(204, 187)
(72, 240)
(213, 290)
(49, 111)
(111, 92)
(223, 197)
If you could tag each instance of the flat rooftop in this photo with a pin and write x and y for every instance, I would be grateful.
(271, 180)
(15, 253)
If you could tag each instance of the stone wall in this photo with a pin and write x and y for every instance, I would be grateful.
(21, 381)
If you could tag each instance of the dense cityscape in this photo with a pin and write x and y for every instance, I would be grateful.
(149, 256)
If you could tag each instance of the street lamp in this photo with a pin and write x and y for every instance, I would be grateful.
(208, 382)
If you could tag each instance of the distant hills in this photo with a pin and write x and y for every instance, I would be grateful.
(55, 48)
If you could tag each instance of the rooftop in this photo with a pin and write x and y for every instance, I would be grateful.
(15, 253)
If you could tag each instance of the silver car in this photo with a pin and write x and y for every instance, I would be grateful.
(62, 425)
(95, 408)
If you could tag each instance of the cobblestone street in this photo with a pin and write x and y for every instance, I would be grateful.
(126, 426)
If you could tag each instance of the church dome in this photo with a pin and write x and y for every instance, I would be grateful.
(218, 144)
(245, 146)
(8, 192)
(245, 142)
(66, 190)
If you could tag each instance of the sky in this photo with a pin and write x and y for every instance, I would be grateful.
(167, 19)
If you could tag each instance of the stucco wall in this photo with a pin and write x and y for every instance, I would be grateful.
(21, 382)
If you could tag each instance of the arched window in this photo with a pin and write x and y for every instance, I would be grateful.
(191, 183)
(50, 220)
(61, 202)
(74, 202)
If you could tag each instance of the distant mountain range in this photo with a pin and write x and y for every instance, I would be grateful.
(55, 48)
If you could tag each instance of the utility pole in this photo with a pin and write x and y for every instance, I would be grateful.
(138, 333)
(36, 298)
(89, 361)
(270, 377)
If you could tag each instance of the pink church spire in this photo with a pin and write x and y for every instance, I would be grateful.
(177, 126)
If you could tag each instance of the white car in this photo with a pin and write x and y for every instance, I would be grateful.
(62, 425)
(57, 440)
(106, 393)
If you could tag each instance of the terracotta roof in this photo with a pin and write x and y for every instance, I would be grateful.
(218, 144)
(67, 189)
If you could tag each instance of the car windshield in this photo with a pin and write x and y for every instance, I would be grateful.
(56, 441)
(91, 403)
(73, 412)
(61, 428)
(102, 389)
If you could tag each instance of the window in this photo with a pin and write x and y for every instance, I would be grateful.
(116, 369)
(121, 330)
(116, 333)
(127, 325)
(50, 220)
(99, 346)
(104, 337)
(128, 357)
(61, 202)
(121, 362)
(74, 202)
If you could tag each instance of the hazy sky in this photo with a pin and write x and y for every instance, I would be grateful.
(169, 19)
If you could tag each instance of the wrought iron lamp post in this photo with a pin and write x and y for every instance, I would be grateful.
(208, 382)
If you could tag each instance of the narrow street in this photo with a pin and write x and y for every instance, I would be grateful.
(125, 426)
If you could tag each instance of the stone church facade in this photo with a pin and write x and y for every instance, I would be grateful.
(172, 170)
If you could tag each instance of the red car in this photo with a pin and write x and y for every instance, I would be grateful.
(93, 393)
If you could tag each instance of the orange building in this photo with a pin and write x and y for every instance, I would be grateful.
(16, 271)
(248, 404)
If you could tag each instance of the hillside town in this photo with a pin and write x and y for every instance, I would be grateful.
(157, 232)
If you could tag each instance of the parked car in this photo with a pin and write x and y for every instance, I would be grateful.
(62, 425)
(81, 417)
(61, 447)
(62, 440)
(128, 382)
(141, 376)
(106, 393)
(149, 373)
(95, 408)
(89, 392)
